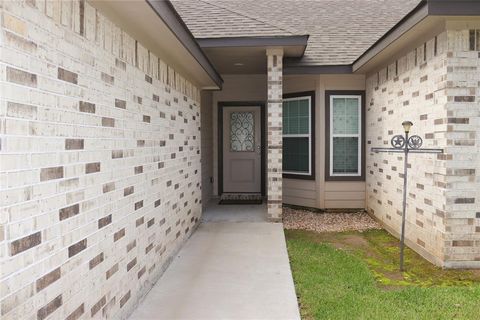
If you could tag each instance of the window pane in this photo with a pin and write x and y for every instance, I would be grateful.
(296, 117)
(345, 155)
(303, 107)
(338, 115)
(293, 117)
(303, 116)
(285, 117)
(295, 154)
(242, 135)
(345, 115)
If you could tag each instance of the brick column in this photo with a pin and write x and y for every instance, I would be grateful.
(274, 131)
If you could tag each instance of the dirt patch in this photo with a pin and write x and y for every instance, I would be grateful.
(328, 222)
(349, 242)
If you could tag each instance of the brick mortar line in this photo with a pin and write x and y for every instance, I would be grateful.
(53, 212)
(74, 241)
(125, 84)
(74, 190)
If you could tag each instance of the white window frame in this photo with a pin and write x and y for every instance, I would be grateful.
(358, 136)
(309, 135)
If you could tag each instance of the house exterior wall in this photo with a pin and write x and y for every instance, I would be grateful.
(316, 193)
(436, 87)
(100, 163)
(462, 220)
(320, 193)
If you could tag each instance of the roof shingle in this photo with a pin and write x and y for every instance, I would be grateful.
(340, 31)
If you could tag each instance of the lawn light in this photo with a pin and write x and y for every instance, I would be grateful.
(405, 144)
(407, 125)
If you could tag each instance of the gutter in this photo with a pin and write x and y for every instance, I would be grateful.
(167, 13)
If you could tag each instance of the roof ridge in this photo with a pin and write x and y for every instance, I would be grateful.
(284, 28)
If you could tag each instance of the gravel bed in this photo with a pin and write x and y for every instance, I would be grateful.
(328, 222)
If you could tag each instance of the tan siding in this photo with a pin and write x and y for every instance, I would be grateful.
(299, 192)
(340, 186)
(348, 204)
(354, 195)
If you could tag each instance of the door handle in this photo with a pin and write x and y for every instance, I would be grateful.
(259, 148)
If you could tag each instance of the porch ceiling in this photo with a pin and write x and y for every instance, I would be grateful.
(238, 60)
(248, 55)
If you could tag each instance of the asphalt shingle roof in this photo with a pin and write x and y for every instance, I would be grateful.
(340, 30)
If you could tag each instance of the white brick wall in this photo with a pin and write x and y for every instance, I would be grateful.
(100, 163)
(437, 87)
(274, 133)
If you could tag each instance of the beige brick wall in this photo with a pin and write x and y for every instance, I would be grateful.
(436, 86)
(100, 163)
(462, 126)
(274, 133)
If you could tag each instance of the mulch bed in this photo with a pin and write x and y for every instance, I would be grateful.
(328, 221)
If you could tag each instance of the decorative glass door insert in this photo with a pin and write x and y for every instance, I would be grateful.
(242, 133)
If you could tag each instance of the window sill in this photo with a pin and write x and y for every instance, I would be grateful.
(298, 176)
(345, 178)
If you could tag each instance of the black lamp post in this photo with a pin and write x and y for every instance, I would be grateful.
(405, 144)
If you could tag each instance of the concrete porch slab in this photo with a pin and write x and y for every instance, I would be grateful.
(234, 213)
(226, 270)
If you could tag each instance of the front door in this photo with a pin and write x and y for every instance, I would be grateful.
(242, 149)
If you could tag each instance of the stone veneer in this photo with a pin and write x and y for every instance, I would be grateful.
(437, 87)
(100, 163)
(274, 133)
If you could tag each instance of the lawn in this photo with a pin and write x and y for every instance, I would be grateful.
(355, 275)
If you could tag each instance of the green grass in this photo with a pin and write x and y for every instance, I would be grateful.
(354, 276)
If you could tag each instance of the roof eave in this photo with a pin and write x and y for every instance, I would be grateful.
(268, 41)
(317, 69)
(419, 13)
(424, 9)
(453, 7)
(253, 41)
(167, 13)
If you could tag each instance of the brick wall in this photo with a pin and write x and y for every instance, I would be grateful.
(462, 126)
(274, 133)
(100, 163)
(435, 86)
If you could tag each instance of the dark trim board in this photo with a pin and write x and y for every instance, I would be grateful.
(311, 94)
(328, 93)
(253, 41)
(454, 7)
(226, 104)
(291, 68)
(167, 13)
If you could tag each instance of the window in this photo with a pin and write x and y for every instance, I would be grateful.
(474, 40)
(344, 135)
(298, 126)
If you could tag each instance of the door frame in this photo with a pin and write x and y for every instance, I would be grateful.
(226, 104)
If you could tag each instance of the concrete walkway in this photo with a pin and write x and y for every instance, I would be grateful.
(228, 269)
